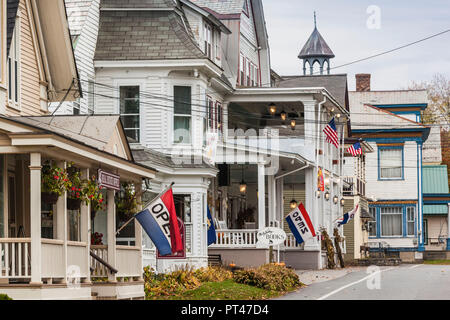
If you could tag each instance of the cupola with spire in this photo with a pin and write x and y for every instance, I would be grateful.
(316, 50)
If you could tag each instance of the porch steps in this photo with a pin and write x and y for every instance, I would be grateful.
(379, 262)
(214, 260)
(434, 255)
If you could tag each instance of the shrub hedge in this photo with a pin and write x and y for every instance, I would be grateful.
(4, 297)
(270, 277)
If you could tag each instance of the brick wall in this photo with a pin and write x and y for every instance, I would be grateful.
(363, 82)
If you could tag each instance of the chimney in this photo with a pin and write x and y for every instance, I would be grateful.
(363, 82)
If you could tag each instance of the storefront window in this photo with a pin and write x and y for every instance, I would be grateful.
(183, 206)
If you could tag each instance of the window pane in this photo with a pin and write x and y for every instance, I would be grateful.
(391, 221)
(133, 134)
(182, 97)
(130, 122)
(182, 129)
(391, 163)
(130, 104)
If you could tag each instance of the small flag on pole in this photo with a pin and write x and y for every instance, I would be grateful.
(160, 222)
(347, 217)
(300, 224)
(355, 150)
(331, 133)
(211, 230)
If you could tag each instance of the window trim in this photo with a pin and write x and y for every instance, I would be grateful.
(190, 143)
(16, 48)
(409, 221)
(381, 224)
(131, 84)
(246, 9)
(373, 222)
(402, 167)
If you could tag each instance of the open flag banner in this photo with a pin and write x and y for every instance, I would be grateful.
(300, 224)
(160, 222)
(355, 150)
(347, 217)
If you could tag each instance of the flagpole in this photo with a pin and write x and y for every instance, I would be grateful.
(134, 216)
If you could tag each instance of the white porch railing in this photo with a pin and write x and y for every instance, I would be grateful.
(291, 243)
(99, 270)
(128, 261)
(235, 239)
(15, 258)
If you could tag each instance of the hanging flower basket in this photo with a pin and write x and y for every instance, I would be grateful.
(49, 197)
(126, 202)
(73, 204)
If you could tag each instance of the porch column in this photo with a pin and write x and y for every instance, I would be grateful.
(85, 225)
(272, 200)
(61, 223)
(137, 226)
(448, 228)
(280, 201)
(111, 228)
(261, 196)
(35, 217)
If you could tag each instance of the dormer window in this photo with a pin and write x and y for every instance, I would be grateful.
(245, 8)
(208, 41)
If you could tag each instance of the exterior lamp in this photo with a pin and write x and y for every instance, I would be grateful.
(342, 202)
(335, 199)
(338, 115)
(327, 196)
(318, 194)
(272, 109)
(293, 124)
(283, 115)
(293, 203)
(243, 185)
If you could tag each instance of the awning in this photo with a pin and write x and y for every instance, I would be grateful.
(435, 209)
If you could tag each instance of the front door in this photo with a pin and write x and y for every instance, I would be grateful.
(425, 231)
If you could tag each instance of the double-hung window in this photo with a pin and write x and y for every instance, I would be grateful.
(208, 41)
(13, 69)
(373, 224)
(129, 111)
(410, 220)
(391, 221)
(242, 68)
(182, 114)
(391, 163)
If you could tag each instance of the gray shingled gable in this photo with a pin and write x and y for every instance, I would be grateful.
(12, 6)
(144, 35)
(335, 84)
(222, 6)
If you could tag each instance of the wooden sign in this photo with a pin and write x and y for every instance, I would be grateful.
(108, 180)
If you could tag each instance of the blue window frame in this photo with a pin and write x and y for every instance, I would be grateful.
(391, 163)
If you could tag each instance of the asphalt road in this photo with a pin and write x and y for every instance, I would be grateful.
(404, 282)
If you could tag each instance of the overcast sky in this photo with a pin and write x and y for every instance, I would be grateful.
(343, 24)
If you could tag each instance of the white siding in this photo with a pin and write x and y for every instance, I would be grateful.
(397, 189)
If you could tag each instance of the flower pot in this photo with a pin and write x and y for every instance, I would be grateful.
(73, 204)
(49, 198)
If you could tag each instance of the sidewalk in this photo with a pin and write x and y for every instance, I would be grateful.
(316, 276)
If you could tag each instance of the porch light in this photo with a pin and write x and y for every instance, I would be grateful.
(294, 204)
(327, 196)
(243, 185)
(293, 124)
(335, 199)
(318, 194)
(342, 202)
(272, 109)
(283, 115)
(338, 115)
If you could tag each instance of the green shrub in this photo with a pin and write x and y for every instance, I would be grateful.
(4, 297)
(269, 277)
(213, 274)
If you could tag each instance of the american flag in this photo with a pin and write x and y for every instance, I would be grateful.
(355, 149)
(331, 133)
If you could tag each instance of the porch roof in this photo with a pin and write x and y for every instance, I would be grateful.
(83, 132)
(435, 209)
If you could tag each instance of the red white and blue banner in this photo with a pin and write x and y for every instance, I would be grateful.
(347, 217)
(160, 222)
(300, 224)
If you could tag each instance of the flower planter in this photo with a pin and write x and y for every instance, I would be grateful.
(49, 198)
(73, 204)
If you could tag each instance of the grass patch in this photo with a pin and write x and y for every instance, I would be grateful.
(441, 262)
(225, 290)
